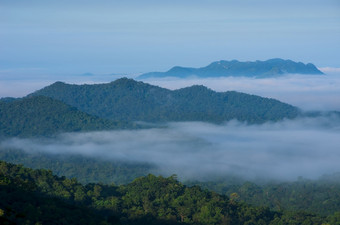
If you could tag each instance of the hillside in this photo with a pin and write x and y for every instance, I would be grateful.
(129, 100)
(321, 196)
(40, 115)
(38, 197)
(269, 68)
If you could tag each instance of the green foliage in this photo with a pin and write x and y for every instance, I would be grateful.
(30, 196)
(129, 100)
(37, 197)
(40, 115)
(314, 196)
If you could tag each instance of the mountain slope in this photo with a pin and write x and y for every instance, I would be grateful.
(129, 100)
(269, 68)
(41, 115)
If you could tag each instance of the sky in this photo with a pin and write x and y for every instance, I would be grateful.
(46, 38)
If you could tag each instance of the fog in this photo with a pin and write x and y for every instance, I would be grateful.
(307, 147)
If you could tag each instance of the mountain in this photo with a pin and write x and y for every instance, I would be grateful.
(41, 115)
(269, 68)
(129, 100)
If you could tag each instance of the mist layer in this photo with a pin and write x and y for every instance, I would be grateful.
(306, 147)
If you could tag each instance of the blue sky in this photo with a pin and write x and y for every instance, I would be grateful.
(102, 37)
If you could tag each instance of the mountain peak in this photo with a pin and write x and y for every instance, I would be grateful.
(58, 83)
(128, 83)
(124, 80)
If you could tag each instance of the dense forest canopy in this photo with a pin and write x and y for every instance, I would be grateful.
(29, 196)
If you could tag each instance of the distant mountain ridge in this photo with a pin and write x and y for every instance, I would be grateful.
(259, 69)
(129, 100)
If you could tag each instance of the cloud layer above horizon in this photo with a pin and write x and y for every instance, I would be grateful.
(306, 147)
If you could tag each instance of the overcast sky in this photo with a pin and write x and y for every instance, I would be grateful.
(47, 37)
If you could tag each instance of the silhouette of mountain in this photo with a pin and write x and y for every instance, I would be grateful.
(260, 69)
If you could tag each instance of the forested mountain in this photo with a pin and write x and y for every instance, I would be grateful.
(269, 68)
(129, 100)
(41, 115)
(38, 197)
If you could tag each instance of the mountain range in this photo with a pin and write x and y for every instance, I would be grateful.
(129, 100)
(62, 107)
(259, 69)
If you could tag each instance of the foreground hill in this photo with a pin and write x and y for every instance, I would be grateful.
(38, 197)
(269, 68)
(321, 196)
(40, 115)
(129, 100)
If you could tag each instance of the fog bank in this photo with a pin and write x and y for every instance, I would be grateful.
(285, 150)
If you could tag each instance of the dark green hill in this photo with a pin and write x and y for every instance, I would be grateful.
(41, 115)
(38, 197)
(269, 68)
(129, 100)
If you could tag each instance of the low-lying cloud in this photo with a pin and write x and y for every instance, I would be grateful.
(307, 147)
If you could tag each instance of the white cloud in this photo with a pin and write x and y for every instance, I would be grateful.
(284, 150)
(330, 69)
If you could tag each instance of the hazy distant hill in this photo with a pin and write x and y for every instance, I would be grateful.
(129, 100)
(269, 68)
(40, 115)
